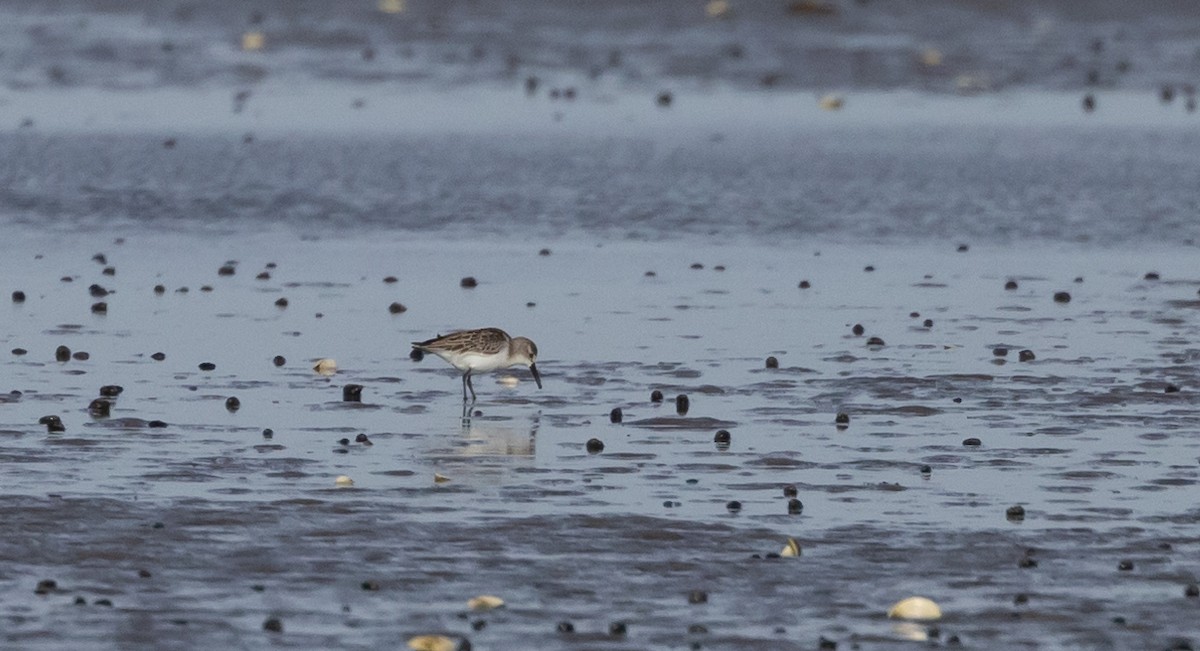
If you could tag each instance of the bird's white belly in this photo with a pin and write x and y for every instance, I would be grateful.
(481, 363)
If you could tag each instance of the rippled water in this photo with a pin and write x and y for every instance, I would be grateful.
(684, 246)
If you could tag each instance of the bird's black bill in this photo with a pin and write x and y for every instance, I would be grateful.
(537, 377)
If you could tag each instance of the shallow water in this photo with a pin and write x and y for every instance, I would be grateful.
(677, 239)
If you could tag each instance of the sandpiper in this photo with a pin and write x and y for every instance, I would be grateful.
(480, 351)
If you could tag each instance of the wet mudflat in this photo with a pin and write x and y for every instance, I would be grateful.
(200, 529)
(877, 278)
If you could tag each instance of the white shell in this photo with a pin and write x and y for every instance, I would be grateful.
(915, 608)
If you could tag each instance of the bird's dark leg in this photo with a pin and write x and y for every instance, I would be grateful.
(465, 378)
(471, 386)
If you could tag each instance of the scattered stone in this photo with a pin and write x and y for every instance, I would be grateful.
(18, 296)
(681, 404)
(391, 279)
(100, 408)
(795, 507)
(733, 506)
(615, 415)
(279, 360)
(876, 341)
(858, 330)
(1062, 297)
(697, 597)
(468, 282)
(232, 403)
(772, 362)
(594, 446)
(158, 357)
(281, 302)
(352, 393)
(1151, 275)
(62, 354)
(273, 625)
(544, 252)
(972, 442)
(1010, 285)
(207, 366)
(697, 265)
(1026, 355)
(790, 490)
(1015, 513)
(656, 396)
(869, 268)
(52, 423)
(397, 308)
(804, 284)
(19, 351)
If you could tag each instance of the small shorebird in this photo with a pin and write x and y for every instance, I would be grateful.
(480, 351)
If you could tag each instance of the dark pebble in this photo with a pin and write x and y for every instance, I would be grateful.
(370, 586)
(1089, 103)
(18, 296)
(804, 284)
(722, 437)
(81, 355)
(544, 252)
(926, 470)
(279, 360)
(397, 308)
(681, 404)
(97, 291)
(343, 442)
(232, 403)
(273, 624)
(1010, 285)
(842, 418)
(1078, 279)
(268, 433)
(697, 629)
(618, 629)
(1062, 297)
(928, 323)
(416, 355)
(19, 351)
(772, 362)
(46, 586)
(62, 353)
(158, 357)
(697, 597)
(144, 574)
(281, 302)
(1015, 513)
(1171, 388)
(52, 423)
(352, 393)
(615, 415)
(697, 265)
(206, 288)
(650, 274)
(1192, 591)
(362, 438)
(826, 644)
(733, 506)
(263, 275)
(565, 627)
(1000, 352)
(1125, 565)
(790, 490)
(103, 602)
(159, 289)
(479, 624)
(875, 341)
(1021, 599)
(181, 290)
(1027, 563)
(656, 396)
(972, 442)
(1026, 355)
(914, 315)
(858, 329)
(109, 271)
(869, 268)
(719, 267)
(664, 99)
(468, 282)
(100, 408)
(101, 258)
(156, 424)
(207, 366)
(1152, 275)
(100, 308)
(795, 507)
(963, 248)
(594, 446)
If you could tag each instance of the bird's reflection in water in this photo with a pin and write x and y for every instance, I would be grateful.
(482, 438)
